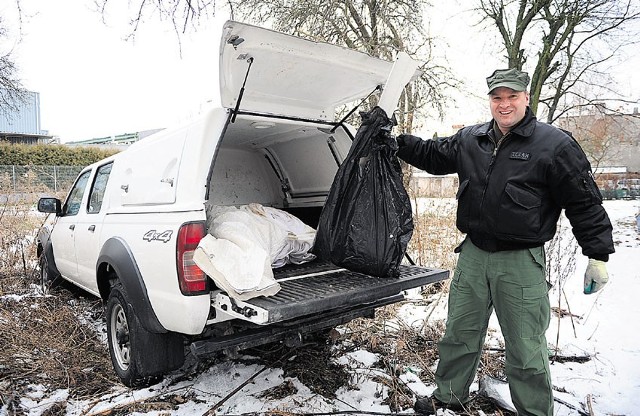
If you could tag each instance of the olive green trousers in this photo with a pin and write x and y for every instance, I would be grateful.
(514, 284)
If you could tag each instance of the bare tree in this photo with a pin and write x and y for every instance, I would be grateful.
(12, 94)
(568, 43)
(182, 14)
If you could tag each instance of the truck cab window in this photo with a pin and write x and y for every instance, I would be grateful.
(72, 206)
(97, 190)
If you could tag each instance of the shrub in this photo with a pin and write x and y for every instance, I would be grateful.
(50, 154)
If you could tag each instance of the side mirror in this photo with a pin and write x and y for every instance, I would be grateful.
(50, 205)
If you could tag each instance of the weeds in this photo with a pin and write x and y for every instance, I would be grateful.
(45, 343)
(42, 341)
(561, 264)
(19, 226)
(435, 234)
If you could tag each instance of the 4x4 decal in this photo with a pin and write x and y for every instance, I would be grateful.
(153, 235)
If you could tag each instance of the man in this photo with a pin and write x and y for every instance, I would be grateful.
(516, 175)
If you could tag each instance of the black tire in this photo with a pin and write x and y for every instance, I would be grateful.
(139, 357)
(47, 279)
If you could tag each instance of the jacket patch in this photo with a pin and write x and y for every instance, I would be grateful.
(520, 155)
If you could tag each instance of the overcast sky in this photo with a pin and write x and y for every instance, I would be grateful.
(93, 83)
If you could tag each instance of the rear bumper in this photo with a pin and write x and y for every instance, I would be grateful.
(295, 329)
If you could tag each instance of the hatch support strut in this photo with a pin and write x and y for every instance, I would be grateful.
(377, 88)
(235, 110)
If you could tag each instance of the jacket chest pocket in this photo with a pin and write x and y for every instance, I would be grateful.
(519, 212)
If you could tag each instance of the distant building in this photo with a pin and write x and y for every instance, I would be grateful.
(22, 125)
(611, 141)
(612, 144)
(119, 141)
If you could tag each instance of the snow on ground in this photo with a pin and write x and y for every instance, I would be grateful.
(606, 328)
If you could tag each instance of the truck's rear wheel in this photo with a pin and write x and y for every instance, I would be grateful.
(121, 342)
(139, 357)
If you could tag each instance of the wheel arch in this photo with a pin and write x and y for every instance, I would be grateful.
(116, 257)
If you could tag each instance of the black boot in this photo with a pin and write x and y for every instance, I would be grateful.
(430, 405)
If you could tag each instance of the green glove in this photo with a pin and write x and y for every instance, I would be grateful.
(595, 277)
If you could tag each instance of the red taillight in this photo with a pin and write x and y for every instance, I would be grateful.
(192, 280)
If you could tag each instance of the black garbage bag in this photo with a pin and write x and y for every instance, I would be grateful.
(366, 222)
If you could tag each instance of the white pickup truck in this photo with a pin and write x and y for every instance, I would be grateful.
(130, 224)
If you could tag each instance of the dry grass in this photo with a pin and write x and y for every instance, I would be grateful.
(404, 348)
(435, 234)
(313, 364)
(42, 340)
(400, 349)
(17, 251)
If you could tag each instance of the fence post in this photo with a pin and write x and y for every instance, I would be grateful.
(55, 179)
(13, 170)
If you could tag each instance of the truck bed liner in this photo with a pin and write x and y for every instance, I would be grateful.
(318, 286)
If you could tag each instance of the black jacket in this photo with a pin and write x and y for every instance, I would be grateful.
(511, 193)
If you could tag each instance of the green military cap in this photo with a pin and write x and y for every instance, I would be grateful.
(510, 78)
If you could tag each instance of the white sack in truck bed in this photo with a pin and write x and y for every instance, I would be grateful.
(243, 244)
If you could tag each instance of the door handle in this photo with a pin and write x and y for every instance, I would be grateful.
(92, 228)
(72, 227)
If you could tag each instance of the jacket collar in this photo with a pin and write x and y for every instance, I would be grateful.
(524, 129)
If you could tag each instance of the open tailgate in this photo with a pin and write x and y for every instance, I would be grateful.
(317, 287)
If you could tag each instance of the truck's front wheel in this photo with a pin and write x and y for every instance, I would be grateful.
(139, 357)
(47, 279)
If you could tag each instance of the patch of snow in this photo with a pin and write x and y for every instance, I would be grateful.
(359, 359)
(39, 400)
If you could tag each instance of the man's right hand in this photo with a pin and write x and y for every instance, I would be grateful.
(595, 277)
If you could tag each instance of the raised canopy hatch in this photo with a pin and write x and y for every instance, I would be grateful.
(292, 76)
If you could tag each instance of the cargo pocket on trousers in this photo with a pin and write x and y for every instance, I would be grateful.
(535, 312)
(454, 289)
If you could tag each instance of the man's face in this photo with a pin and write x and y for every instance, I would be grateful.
(508, 107)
